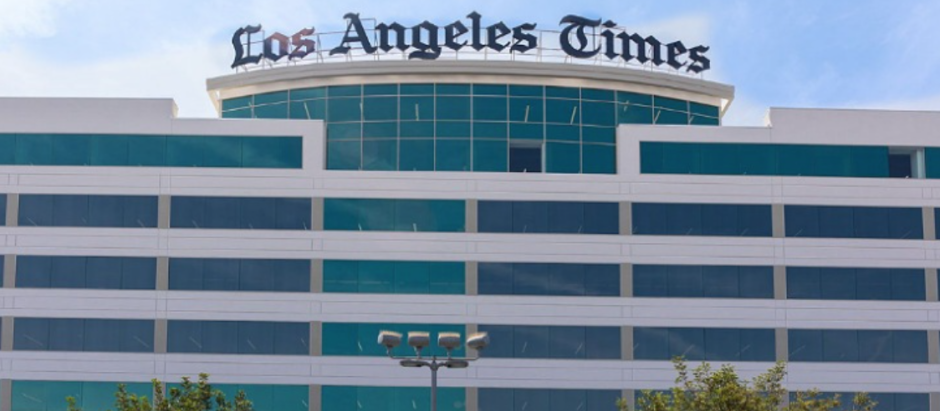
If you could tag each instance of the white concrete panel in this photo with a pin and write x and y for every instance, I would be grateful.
(484, 373)
(86, 115)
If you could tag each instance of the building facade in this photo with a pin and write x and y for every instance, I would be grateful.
(595, 221)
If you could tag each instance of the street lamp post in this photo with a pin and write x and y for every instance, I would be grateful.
(421, 339)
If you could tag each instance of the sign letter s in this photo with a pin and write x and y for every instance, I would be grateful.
(299, 41)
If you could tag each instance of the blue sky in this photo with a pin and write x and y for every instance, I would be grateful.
(782, 53)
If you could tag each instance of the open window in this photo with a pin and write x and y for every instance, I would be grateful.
(525, 157)
(906, 162)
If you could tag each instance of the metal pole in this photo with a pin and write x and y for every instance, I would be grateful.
(434, 386)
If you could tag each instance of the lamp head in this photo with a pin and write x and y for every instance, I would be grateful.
(478, 341)
(389, 339)
(418, 340)
(449, 341)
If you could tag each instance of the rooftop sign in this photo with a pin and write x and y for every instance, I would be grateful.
(579, 38)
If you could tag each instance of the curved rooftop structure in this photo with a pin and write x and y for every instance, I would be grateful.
(471, 71)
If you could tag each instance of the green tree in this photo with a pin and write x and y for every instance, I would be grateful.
(189, 396)
(704, 389)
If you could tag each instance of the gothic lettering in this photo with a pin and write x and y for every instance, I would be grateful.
(580, 37)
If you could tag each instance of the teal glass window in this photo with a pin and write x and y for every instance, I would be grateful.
(606, 135)
(229, 274)
(671, 103)
(246, 213)
(586, 118)
(763, 159)
(276, 111)
(453, 129)
(696, 281)
(270, 98)
(526, 91)
(634, 114)
(548, 217)
(416, 155)
(344, 91)
(359, 339)
(490, 89)
(489, 130)
(599, 114)
(932, 162)
(348, 398)
(567, 133)
(453, 89)
(238, 337)
(900, 223)
(597, 94)
(453, 108)
(669, 117)
(242, 113)
(83, 335)
(418, 108)
(634, 98)
(885, 401)
(698, 120)
(236, 103)
(741, 220)
(344, 131)
(34, 149)
(380, 108)
(54, 210)
(867, 346)
(528, 132)
(344, 110)
(151, 150)
(308, 110)
(597, 280)
(272, 152)
(558, 217)
(3, 209)
(380, 154)
(265, 397)
(50, 395)
(343, 155)
(413, 129)
(598, 159)
(490, 155)
(111, 273)
(527, 110)
(527, 399)
(557, 342)
(382, 129)
(7, 148)
(562, 111)
(380, 89)
(704, 109)
(394, 215)
(562, 92)
(452, 154)
(704, 344)
(417, 89)
(490, 108)
(563, 158)
(833, 283)
(393, 277)
(308, 93)
(72, 150)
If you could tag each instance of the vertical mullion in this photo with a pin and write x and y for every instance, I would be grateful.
(472, 127)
